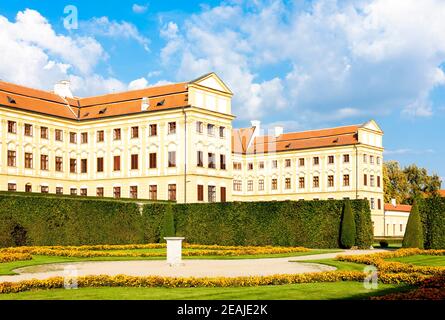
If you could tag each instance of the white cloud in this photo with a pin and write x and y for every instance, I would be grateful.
(139, 8)
(102, 26)
(406, 151)
(138, 84)
(380, 56)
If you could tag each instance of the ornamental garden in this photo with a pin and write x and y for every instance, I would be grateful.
(38, 232)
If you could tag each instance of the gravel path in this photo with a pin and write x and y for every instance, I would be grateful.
(190, 268)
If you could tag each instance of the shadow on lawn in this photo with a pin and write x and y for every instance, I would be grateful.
(380, 292)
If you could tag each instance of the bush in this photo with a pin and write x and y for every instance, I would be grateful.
(414, 230)
(384, 244)
(168, 223)
(432, 212)
(347, 232)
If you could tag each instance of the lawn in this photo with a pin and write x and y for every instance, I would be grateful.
(422, 260)
(7, 268)
(302, 291)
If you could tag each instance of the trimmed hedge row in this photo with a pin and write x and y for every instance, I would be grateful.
(62, 221)
(432, 212)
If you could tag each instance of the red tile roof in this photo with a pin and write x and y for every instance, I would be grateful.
(442, 193)
(398, 207)
(330, 137)
(160, 98)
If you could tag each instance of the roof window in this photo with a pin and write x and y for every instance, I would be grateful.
(160, 103)
(102, 111)
(11, 100)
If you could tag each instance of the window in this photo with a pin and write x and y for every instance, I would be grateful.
(365, 158)
(73, 191)
(43, 162)
(171, 127)
(59, 190)
(274, 164)
(59, 164)
(330, 181)
(378, 181)
(44, 189)
(28, 187)
(116, 163)
(100, 136)
(133, 192)
(73, 137)
(117, 192)
(211, 129)
(379, 204)
(371, 180)
(199, 127)
(11, 158)
(237, 185)
(261, 165)
(301, 162)
(99, 192)
(59, 135)
(12, 187)
(200, 192)
(83, 192)
(372, 204)
(346, 158)
(28, 130)
(12, 127)
(249, 185)
(84, 137)
(250, 166)
(222, 162)
(401, 227)
(371, 159)
(153, 190)
(330, 159)
(199, 159)
(223, 194)
(172, 159)
(346, 180)
(100, 164)
(316, 161)
(237, 166)
(83, 165)
(378, 160)
(44, 132)
(365, 179)
(134, 162)
(28, 160)
(287, 163)
(134, 132)
(301, 183)
(222, 132)
(261, 185)
(287, 184)
(153, 164)
(274, 184)
(212, 159)
(117, 134)
(316, 182)
(172, 192)
(212, 193)
(73, 165)
(153, 130)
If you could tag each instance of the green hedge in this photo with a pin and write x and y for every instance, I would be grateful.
(68, 221)
(432, 211)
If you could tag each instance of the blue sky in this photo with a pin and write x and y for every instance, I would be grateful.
(301, 64)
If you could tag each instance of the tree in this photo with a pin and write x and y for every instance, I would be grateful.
(347, 231)
(168, 223)
(394, 182)
(413, 237)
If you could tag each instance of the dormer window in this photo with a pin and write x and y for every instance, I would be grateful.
(11, 100)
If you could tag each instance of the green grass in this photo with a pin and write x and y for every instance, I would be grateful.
(302, 291)
(7, 268)
(422, 260)
(340, 265)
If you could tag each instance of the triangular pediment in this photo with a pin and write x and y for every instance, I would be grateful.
(372, 125)
(212, 81)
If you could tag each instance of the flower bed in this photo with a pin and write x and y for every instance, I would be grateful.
(9, 257)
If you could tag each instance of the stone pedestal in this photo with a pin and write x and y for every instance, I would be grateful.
(174, 250)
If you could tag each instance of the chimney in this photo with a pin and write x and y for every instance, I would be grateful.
(278, 130)
(145, 104)
(62, 88)
(394, 202)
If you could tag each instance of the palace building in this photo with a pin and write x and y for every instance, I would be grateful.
(176, 142)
